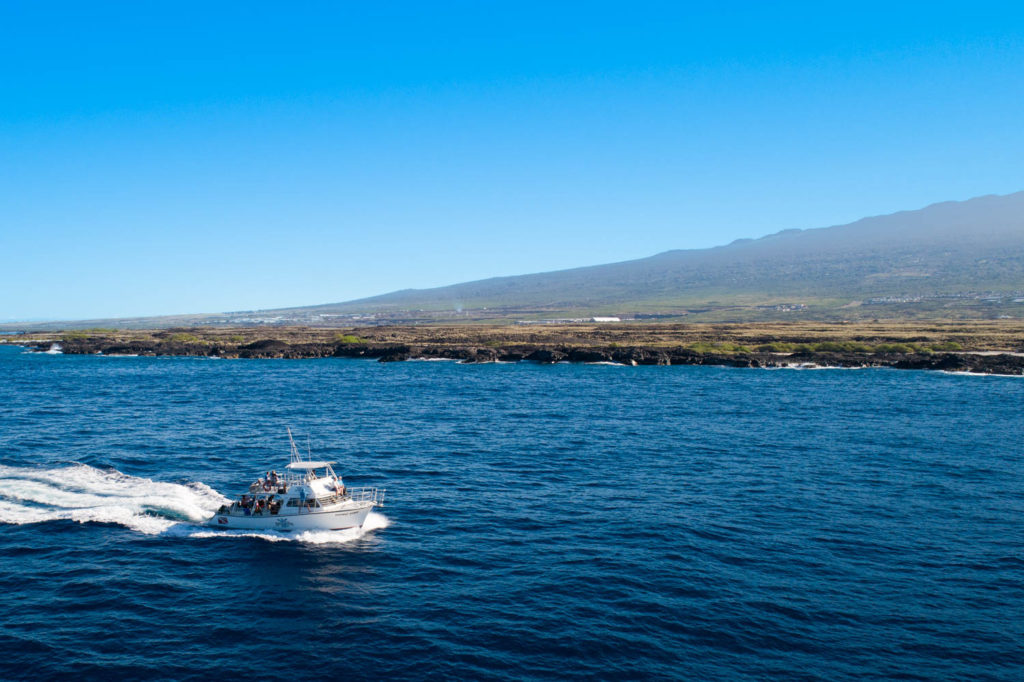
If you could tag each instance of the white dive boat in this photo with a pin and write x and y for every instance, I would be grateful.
(307, 496)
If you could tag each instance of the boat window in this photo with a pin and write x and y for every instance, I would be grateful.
(294, 502)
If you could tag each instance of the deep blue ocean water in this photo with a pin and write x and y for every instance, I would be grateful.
(566, 521)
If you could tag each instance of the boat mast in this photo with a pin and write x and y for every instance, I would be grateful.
(294, 455)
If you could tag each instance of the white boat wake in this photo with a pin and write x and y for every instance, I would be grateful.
(85, 494)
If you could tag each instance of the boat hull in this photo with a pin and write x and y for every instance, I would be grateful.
(349, 516)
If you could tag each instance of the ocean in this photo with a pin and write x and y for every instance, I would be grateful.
(541, 522)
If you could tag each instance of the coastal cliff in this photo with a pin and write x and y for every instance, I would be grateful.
(984, 348)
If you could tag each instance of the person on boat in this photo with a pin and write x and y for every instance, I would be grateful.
(273, 478)
(302, 498)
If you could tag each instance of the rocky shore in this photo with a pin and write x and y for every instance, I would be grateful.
(990, 363)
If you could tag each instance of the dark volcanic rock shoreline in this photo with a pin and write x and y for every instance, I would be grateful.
(1004, 363)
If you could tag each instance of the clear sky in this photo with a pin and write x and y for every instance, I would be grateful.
(198, 157)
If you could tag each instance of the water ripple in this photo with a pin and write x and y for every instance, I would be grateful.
(570, 522)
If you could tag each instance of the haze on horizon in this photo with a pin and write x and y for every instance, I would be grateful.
(198, 159)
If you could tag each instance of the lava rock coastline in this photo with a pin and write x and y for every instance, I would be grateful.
(1004, 363)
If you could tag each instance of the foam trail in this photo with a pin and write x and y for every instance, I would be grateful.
(85, 494)
(88, 495)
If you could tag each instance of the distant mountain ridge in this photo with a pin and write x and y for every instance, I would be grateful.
(951, 259)
(944, 249)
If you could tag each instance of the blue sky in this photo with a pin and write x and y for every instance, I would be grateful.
(201, 157)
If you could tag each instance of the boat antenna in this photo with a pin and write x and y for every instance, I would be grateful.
(309, 453)
(291, 441)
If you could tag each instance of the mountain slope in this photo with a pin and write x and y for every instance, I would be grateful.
(938, 261)
(944, 249)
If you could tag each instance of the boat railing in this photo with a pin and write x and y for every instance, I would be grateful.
(367, 494)
(284, 481)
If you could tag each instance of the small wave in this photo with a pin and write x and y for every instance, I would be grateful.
(802, 366)
(981, 374)
(54, 349)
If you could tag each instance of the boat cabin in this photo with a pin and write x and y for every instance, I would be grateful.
(306, 487)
